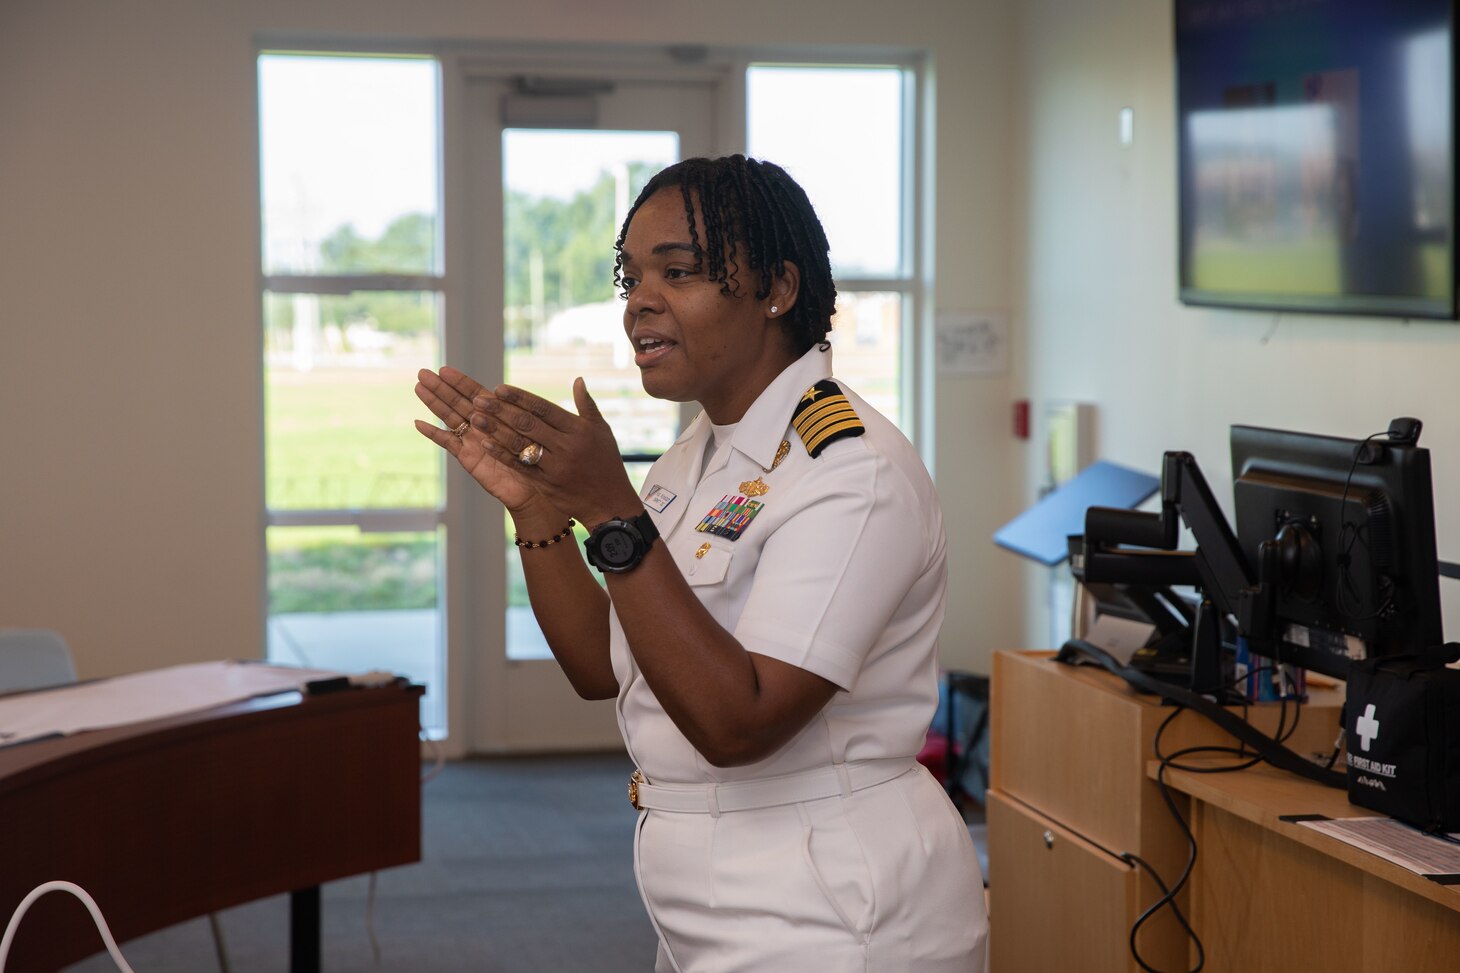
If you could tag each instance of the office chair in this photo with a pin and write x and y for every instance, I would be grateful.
(33, 658)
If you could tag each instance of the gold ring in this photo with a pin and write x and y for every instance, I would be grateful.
(460, 430)
(530, 454)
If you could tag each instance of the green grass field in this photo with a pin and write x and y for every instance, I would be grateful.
(344, 438)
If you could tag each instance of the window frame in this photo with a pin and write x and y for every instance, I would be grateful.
(915, 369)
(472, 528)
(371, 519)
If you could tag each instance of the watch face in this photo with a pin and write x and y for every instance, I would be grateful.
(616, 547)
(619, 545)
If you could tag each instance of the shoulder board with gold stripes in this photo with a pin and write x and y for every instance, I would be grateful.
(823, 416)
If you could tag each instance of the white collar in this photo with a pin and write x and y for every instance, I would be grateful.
(763, 426)
(759, 433)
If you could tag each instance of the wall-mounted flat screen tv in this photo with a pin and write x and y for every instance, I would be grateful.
(1316, 155)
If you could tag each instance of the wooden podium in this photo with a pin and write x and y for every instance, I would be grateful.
(1070, 793)
(1271, 896)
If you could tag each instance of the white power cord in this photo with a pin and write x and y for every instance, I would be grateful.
(86, 900)
(221, 951)
(111, 944)
(438, 765)
(438, 755)
(369, 922)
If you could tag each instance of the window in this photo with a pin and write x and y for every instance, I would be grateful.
(354, 303)
(849, 154)
(352, 310)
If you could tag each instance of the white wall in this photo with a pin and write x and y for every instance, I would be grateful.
(130, 384)
(1097, 270)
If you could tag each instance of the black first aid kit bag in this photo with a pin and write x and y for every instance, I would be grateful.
(1402, 723)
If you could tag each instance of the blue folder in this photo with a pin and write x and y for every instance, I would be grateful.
(1042, 532)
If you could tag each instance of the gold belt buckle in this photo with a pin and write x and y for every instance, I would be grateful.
(635, 779)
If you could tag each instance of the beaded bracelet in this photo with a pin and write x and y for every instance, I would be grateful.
(530, 545)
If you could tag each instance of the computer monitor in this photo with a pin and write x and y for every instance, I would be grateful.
(1344, 532)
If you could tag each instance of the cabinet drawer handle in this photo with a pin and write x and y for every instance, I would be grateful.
(1049, 839)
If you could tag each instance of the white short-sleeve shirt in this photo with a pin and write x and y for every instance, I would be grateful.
(841, 571)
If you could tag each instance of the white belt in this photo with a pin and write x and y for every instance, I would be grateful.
(746, 795)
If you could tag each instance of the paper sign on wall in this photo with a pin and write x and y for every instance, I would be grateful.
(972, 342)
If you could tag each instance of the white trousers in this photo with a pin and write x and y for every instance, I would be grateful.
(882, 881)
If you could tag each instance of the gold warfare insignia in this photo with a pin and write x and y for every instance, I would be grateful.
(755, 488)
(823, 416)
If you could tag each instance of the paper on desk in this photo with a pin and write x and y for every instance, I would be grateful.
(1121, 637)
(1394, 841)
(143, 696)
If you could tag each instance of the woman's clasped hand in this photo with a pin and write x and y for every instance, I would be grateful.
(575, 471)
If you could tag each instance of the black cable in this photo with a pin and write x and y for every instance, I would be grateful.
(1298, 696)
(1287, 688)
(1347, 597)
(1286, 684)
(1169, 893)
(1264, 749)
(1437, 832)
(1168, 897)
(1271, 750)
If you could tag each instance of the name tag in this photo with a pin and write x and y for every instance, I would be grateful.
(658, 498)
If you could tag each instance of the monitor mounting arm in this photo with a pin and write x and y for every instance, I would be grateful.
(1217, 567)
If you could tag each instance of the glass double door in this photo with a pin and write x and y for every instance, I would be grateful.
(552, 169)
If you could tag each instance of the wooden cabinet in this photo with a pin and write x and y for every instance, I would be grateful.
(1072, 898)
(1069, 794)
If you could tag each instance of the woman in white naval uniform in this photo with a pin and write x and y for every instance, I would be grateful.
(773, 599)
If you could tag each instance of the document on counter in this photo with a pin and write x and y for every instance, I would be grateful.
(1408, 847)
(143, 696)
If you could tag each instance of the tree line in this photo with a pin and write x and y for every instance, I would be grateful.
(558, 253)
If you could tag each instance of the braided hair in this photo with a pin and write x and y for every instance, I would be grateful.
(756, 218)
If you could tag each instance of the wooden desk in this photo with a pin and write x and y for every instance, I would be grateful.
(172, 819)
(1271, 895)
(1069, 794)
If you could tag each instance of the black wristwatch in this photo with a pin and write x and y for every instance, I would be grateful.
(616, 546)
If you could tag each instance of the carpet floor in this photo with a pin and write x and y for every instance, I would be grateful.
(526, 867)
